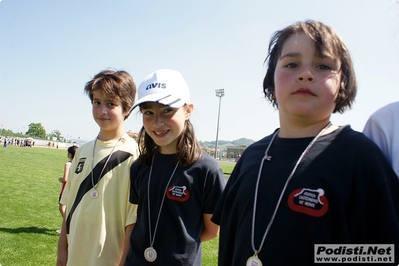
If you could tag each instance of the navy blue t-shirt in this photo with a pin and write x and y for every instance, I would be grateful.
(343, 192)
(192, 192)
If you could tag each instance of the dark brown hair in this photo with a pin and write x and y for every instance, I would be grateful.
(324, 39)
(188, 148)
(114, 84)
(71, 150)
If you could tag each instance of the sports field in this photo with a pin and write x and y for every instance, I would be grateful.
(29, 215)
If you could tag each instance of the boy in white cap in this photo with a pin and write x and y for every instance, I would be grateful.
(175, 185)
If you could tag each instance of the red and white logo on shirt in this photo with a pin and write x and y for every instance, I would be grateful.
(178, 193)
(312, 202)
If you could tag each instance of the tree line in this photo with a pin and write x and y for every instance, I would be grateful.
(35, 130)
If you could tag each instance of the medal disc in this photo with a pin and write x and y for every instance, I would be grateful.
(94, 194)
(254, 261)
(150, 254)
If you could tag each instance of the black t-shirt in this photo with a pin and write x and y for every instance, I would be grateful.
(343, 192)
(192, 192)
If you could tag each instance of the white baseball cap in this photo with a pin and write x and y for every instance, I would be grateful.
(164, 86)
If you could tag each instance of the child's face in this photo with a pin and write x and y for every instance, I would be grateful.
(108, 113)
(164, 124)
(306, 85)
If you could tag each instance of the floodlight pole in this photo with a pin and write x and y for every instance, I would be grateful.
(220, 94)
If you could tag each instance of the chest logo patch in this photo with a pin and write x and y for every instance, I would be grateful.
(312, 202)
(178, 193)
(80, 165)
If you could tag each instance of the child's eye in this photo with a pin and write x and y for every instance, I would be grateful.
(96, 102)
(323, 67)
(146, 112)
(168, 110)
(111, 104)
(291, 65)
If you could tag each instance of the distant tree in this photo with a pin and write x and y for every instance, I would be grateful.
(243, 141)
(10, 133)
(36, 130)
(57, 134)
(6, 132)
(223, 143)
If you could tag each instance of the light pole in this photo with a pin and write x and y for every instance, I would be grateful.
(220, 94)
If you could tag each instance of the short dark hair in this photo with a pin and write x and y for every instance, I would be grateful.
(72, 149)
(324, 38)
(114, 84)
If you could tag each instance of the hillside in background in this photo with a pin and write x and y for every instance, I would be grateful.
(222, 144)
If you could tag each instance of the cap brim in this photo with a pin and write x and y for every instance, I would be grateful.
(165, 99)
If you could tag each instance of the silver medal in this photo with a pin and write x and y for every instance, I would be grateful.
(94, 194)
(150, 254)
(254, 261)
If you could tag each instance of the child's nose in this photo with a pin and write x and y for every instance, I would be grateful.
(305, 75)
(103, 109)
(158, 120)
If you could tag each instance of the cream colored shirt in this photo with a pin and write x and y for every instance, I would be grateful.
(96, 227)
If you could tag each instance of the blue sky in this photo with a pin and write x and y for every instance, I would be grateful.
(50, 49)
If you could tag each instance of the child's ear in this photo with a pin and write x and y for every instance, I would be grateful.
(126, 114)
(189, 109)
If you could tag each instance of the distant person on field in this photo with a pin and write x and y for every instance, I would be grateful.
(309, 182)
(63, 179)
(98, 213)
(6, 140)
(383, 128)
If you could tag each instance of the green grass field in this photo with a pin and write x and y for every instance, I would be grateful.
(227, 167)
(29, 215)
